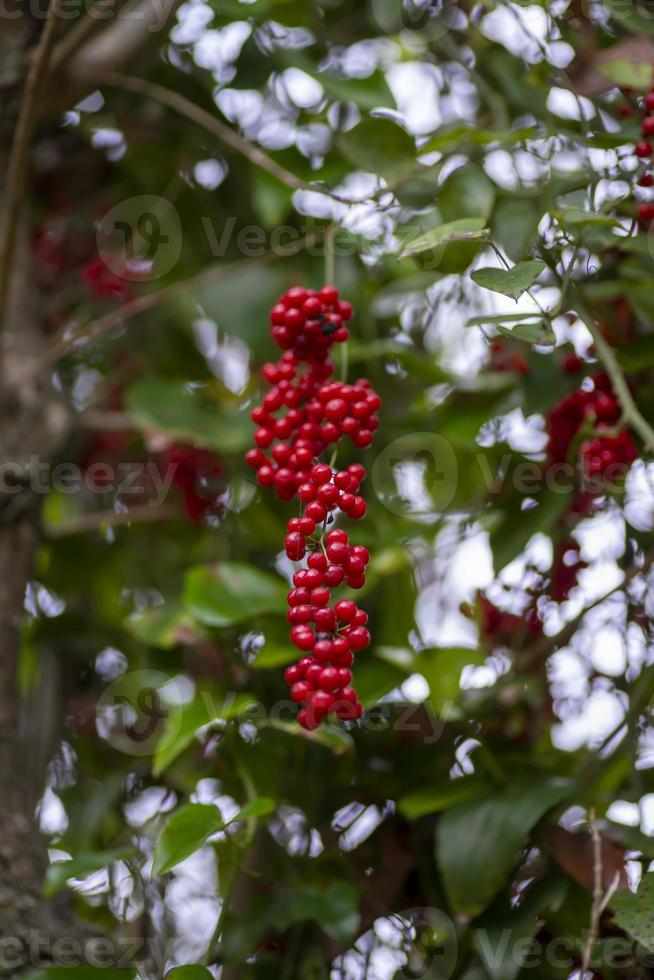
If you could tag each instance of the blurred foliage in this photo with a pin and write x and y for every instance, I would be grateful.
(165, 601)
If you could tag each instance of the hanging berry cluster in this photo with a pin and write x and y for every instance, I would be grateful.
(643, 147)
(318, 412)
(609, 447)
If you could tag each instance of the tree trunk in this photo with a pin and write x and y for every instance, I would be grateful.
(32, 425)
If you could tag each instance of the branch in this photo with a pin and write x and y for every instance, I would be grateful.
(70, 339)
(109, 518)
(630, 411)
(79, 34)
(185, 107)
(13, 190)
(548, 643)
(121, 42)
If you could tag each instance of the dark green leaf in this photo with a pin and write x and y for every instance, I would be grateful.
(189, 414)
(185, 831)
(380, 146)
(478, 842)
(232, 592)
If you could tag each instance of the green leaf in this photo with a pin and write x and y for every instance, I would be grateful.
(635, 913)
(478, 841)
(184, 413)
(466, 193)
(189, 973)
(183, 722)
(185, 831)
(188, 828)
(165, 626)
(515, 225)
(540, 332)
(502, 933)
(510, 282)
(462, 229)
(379, 146)
(273, 655)
(434, 799)
(335, 908)
(576, 216)
(629, 74)
(60, 872)
(232, 592)
(442, 668)
(259, 807)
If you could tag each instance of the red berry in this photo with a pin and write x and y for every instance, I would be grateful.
(333, 575)
(359, 637)
(266, 476)
(316, 511)
(337, 534)
(329, 678)
(346, 610)
(294, 546)
(321, 473)
(337, 552)
(301, 691)
(645, 214)
(648, 126)
(293, 673)
(302, 637)
(643, 148)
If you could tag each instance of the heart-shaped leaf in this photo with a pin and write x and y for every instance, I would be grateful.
(510, 282)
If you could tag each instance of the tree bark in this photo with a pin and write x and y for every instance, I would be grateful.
(32, 425)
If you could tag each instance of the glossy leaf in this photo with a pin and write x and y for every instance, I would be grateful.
(232, 592)
(478, 841)
(511, 282)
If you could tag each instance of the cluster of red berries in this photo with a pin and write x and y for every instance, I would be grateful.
(318, 412)
(600, 407)
(643, 148)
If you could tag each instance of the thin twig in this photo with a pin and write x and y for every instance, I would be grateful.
(98, 520)
(598, 894)
(81, 31)
(548, 643)
(605, 352)
(69, 339)
(13, 190)
(185, 107)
